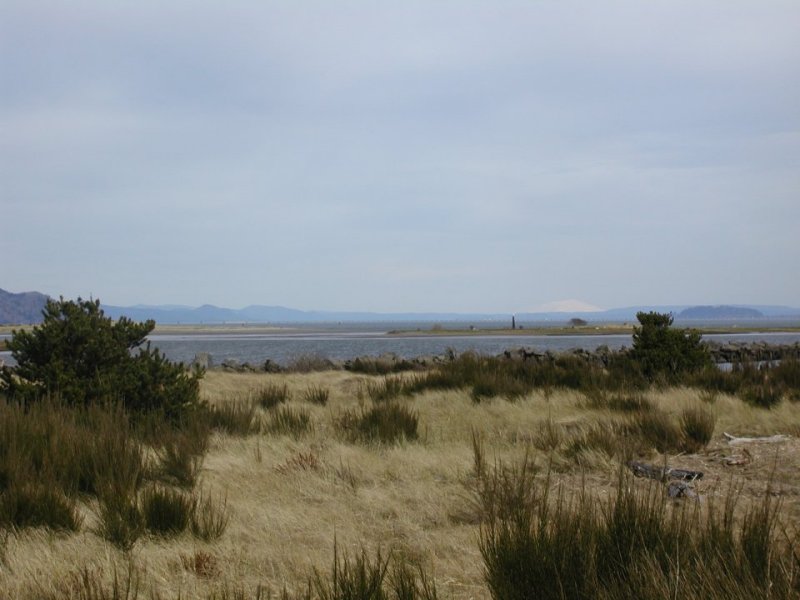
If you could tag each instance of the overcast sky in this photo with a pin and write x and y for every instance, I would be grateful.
(401, 156)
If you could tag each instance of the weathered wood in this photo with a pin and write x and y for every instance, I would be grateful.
(680, 489)
(664, 474)
(738, 460)
(772, 439)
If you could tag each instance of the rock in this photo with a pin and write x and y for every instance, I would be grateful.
(680, 489)
(271, 366)
(203, 360)
(231, 364)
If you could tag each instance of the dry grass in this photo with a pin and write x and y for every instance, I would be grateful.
(290, 498)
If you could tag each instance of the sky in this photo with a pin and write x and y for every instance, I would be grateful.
(494, 156)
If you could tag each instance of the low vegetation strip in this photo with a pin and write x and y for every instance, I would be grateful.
(243, 491)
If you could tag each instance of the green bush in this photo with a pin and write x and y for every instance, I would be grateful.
(763, 395)
(715, 380)
(661, 351)
(82, 356)
(787, 374)
(379, 365)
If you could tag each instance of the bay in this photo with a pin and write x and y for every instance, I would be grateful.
(283, 348)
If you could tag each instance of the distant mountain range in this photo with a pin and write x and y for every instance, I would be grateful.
(18, 309)
(27, 307)
(720, 312)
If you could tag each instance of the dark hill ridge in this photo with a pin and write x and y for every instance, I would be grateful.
(720, 312)
(21, 309)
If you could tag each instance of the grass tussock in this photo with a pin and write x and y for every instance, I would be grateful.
(384, 423)
(202, 564)
(764, 394)
(658, 429)
(235, 417)
(180, 458)
(697, 426)
(272, 395)
(210, 517)
(53, 458)
(635, 544)
(365, 578)
(548, 436)
(286, 420)
(121, 520)
(315, 394)
(621, 401)
(88, 584)
(166, 511)
(387, 388)
(23, 506)
(605, 437)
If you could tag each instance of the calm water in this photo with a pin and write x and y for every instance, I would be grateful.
(339, 345)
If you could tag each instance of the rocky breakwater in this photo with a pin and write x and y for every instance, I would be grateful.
(738, 352)
(721, 353)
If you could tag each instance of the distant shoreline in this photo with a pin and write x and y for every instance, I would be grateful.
(581, 331)
(433, 331)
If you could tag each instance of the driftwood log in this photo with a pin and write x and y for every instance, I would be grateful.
(662, 474)
(772, 439)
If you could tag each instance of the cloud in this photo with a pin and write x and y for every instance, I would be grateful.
(482, 155)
